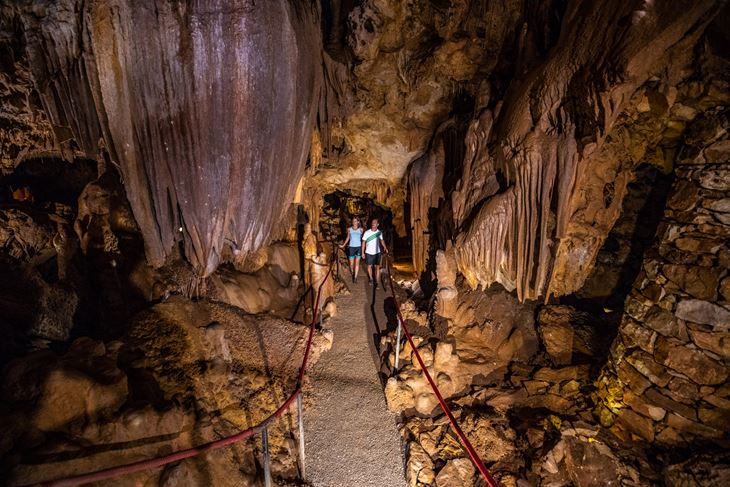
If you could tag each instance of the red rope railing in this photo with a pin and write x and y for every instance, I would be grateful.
(473, 455)
(151, 463)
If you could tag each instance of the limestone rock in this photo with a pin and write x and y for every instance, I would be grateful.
(568, 333)
(692, 363)
(702, 468)
(704, 312)
(717, 342)
(68, 396)
(700, 282)
(456, 473)
(419, 467)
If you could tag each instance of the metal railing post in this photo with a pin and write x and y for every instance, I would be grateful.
(321, 306)
(300, 413)
(267, 456)
(397, 346)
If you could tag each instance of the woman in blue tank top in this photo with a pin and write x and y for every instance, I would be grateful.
(354, 238)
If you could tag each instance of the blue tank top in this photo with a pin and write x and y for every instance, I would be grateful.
(355, 237)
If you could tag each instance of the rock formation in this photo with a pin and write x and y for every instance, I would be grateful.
(200, 129)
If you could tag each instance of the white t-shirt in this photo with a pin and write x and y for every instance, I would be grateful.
(372, 247)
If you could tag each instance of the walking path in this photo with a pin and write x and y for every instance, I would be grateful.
(351, 437)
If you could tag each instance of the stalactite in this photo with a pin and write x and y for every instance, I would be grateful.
(207, 107)
(544, 143)
(425, 190)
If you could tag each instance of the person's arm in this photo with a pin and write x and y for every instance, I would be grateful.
(362, 245)
(382, 242)
(346, 240)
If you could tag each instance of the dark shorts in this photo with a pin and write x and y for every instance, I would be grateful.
(371, 259)
(354, 252)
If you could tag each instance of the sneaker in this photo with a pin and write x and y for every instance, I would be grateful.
(353, 279)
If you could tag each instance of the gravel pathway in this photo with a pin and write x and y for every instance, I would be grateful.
(351, 437)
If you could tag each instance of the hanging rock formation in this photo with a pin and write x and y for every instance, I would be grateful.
(204, 105)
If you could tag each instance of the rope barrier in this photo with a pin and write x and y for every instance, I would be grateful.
(151, 463)
(473, 455)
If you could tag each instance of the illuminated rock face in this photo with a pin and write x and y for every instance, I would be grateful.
(666, 377)
(206, 106)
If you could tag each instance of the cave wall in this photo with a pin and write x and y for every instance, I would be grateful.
(568, 98)
(557, 140)
(666, 377)
(207, 107)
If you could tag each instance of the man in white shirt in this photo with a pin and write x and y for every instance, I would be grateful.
(372, 242)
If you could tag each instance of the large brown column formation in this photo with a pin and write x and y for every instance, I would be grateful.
(206, 106)
(666, 378)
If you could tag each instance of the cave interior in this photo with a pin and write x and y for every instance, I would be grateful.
(552, 183)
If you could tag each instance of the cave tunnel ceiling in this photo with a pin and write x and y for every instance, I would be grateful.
(212, 109)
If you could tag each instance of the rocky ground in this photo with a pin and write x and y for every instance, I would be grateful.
(184, 374)
(521, 390)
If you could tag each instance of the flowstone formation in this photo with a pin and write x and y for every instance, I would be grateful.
(199, 135)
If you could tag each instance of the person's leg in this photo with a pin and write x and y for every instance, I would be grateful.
(357, 266)
(352, 263)
(377, 274)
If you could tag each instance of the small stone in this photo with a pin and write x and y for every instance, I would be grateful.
(719, 152)
(669, 436)
(723, 218)
(716, 179)
(660, 400)
(535, 386)
(636, 381)
(715, 417)
(654, 292)
(551, 402)
(690, 362)
(682, 390)
(637, 424)
(642, 407)
(725, 288)
(684, 425)
(722, 205)
(635, 335)
(636, 309)
(456, 473)
(692, 244)
(419, 466)
(574, 372)
(704, 312)
(662, 321)
(717, 401)
(700, 282)
(684, 197)
(717, 342)
(644, 363)
(558, 341)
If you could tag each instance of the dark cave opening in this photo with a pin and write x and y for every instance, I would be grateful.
(619, 260)
(47, 179)
(339, 209)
